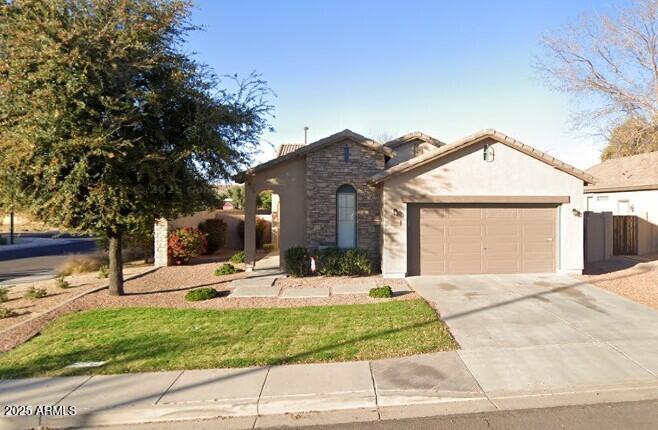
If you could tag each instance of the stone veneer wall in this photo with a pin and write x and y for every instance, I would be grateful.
(326, 170)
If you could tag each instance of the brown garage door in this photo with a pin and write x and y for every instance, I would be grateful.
(484, 239)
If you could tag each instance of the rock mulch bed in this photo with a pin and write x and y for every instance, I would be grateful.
(635, 280)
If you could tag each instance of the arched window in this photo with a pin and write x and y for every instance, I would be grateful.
(346, 217)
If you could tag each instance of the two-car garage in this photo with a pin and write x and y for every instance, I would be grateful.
(485, 204)
(476, 238)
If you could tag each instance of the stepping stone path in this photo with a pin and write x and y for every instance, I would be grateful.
(262, 291)
(253, 282)
(305, 292)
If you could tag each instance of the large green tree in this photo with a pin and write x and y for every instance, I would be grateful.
(106, 123)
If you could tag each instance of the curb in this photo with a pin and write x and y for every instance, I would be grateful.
(420, 406)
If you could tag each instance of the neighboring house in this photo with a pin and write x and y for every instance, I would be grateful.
(411, 145)
(629, 186)
(484, 204)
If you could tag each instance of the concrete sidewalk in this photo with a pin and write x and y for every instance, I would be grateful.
(432, 384)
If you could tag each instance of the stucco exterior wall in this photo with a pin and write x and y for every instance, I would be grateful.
(643, 204)
(288, 181)
(326, 171)
(409, 150)
(466, 174)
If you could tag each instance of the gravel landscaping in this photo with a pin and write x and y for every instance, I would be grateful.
(633, 279)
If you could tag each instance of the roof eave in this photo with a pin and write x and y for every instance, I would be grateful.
(471, 140)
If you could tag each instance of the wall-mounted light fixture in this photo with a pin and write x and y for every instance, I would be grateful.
(489, 153)
(577, 213)
(398, 213)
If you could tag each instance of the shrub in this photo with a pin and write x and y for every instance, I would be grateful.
(35, 293)
(201, 294)
(298, 262)
(4, 295)
(103, 272)
(185, 244)
(61, 283)
(6, 313)
(261, 229)
(227, 269)
(384, 292)
(351, 262)
(82, 264)
(268, 247)
(215, 230)
(238, 257)
(3, 241)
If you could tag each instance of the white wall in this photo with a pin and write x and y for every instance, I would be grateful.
(643, 204)
(466, 173)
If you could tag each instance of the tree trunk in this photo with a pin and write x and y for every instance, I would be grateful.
(116, 265)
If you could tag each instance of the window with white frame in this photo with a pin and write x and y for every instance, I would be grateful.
(346, 217)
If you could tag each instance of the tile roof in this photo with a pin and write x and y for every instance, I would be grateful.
(287, 148)
(305, 149)
(412, 136)
(475, 138)
(637, 172)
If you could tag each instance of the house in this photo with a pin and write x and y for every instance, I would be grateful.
(483, 204)
(629, 186)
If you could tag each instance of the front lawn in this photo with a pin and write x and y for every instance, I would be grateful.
(150, 339)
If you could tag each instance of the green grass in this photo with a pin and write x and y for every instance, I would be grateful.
(150, 339)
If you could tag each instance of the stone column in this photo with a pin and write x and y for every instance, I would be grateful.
(160, 238)
(249, 226)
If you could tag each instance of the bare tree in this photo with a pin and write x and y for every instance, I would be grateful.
(609, 63)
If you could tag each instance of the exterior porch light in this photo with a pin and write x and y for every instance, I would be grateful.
(489, 153)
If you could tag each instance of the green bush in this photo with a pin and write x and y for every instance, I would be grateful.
(6, 313)
(384, 292)
(268, 247)
(61, 283)
(238, 257)
(3, 240)
(261, 228)
(4, 295)
(216, 232)
(351, 262)
(185, 244)
(227, 269)
(35, 293)
(201, 294)
(298, 262)
(103, 272)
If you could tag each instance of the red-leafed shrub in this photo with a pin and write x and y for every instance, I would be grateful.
(186, 243)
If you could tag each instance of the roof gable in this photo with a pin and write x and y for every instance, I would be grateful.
(305, 149)
(474, 139)
(636, 172)
(416, 135)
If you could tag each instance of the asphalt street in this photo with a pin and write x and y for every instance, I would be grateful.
(614, 416)
(39, 256)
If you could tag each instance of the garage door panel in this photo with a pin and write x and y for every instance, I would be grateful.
(538, 214)
(487, 239)
(464, 265)
(494, 265)
(501, 214)
(505, 230)
(464, 231)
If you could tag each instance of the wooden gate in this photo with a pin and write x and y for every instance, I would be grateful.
(624, 238)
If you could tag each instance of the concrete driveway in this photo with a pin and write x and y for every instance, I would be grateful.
(545, 331)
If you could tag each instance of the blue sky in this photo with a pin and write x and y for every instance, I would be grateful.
(385, 68)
